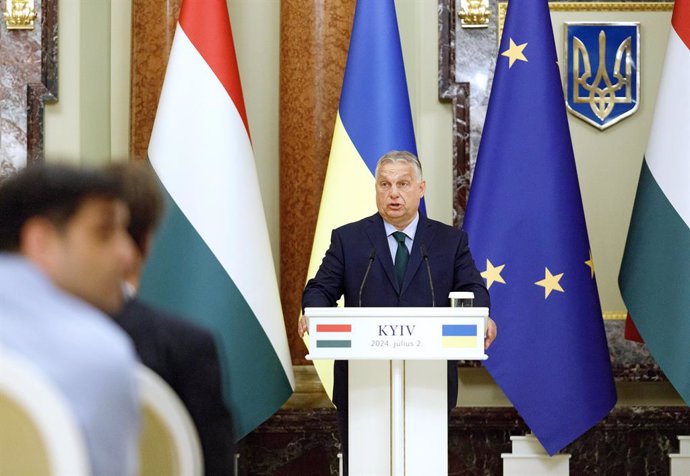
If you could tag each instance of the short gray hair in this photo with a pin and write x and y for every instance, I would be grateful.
(401, 156)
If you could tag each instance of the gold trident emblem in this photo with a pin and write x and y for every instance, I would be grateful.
(602, 92)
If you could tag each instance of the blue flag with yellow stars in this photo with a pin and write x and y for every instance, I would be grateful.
(528, 236)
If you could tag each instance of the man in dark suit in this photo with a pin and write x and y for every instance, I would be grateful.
(183, 354)
(399, 239)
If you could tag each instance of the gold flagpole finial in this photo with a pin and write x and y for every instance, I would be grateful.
(474, 13)
(20, 14)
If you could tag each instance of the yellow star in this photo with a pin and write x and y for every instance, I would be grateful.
(493, 274)
(590, 262)
(514, 53)
(550, 283)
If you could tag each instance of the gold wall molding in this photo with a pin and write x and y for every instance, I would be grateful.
(592, 7)
(615, 315)
(611, 6)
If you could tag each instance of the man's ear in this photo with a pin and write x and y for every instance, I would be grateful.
(37, 241)
(423, 187)
(148, 242)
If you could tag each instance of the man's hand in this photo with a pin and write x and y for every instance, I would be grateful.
(302, 327)
(491, 331)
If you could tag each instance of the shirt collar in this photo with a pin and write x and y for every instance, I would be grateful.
(409, 230)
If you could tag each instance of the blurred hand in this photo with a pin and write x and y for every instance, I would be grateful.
(302, 327)
(491, 332)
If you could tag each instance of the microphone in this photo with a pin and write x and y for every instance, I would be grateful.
(372, 256)
(425, 255)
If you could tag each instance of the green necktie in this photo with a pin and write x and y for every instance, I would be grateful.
(401, 256)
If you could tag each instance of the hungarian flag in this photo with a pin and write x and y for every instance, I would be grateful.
(655, 273)
(211, 261)
(373, 118)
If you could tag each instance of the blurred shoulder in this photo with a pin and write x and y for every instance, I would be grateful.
(162, 322)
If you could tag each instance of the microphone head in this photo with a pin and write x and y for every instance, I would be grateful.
(372, 254)
(422, 248)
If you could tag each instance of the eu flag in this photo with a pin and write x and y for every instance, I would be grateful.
(528, 235)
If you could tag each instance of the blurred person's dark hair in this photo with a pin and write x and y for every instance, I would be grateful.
(142, 193)
(54, 192)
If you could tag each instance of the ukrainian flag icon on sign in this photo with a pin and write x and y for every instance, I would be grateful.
(603, 75)
(459, 336)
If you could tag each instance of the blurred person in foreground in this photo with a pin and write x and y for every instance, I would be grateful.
(64, 250)
(183, 354)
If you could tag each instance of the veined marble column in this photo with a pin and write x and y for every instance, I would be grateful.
(314, 39)
(153, 29)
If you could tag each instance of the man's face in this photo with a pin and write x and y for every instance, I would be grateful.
(92, 254)
(398, 193)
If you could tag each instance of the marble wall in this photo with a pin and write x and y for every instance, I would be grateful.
(28, 79)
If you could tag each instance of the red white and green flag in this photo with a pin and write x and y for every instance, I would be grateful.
(655, 273)
(211, 261)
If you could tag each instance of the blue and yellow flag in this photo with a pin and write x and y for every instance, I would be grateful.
(528, 236)
(373, 118)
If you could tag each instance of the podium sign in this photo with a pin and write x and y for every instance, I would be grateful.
(397, 333)
(397, 387)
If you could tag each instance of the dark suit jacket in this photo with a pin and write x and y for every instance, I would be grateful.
(185, 356)
(343, 267)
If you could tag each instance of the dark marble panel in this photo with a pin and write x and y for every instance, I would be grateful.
(466, 62)
(446, 50)
(39, 94)
(631, 361)
(477, 437)
(20, 64)
(462, 171)
(292, 442)
(28, 76)
(631, 441)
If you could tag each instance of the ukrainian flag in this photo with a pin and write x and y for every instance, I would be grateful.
(373, 118)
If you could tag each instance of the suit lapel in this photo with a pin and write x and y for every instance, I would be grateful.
(423, 236)
(377, 234)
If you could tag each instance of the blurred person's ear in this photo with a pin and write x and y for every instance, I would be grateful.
(38, 242)
(148, 242)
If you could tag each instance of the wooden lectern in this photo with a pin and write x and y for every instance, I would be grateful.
(398, 417)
